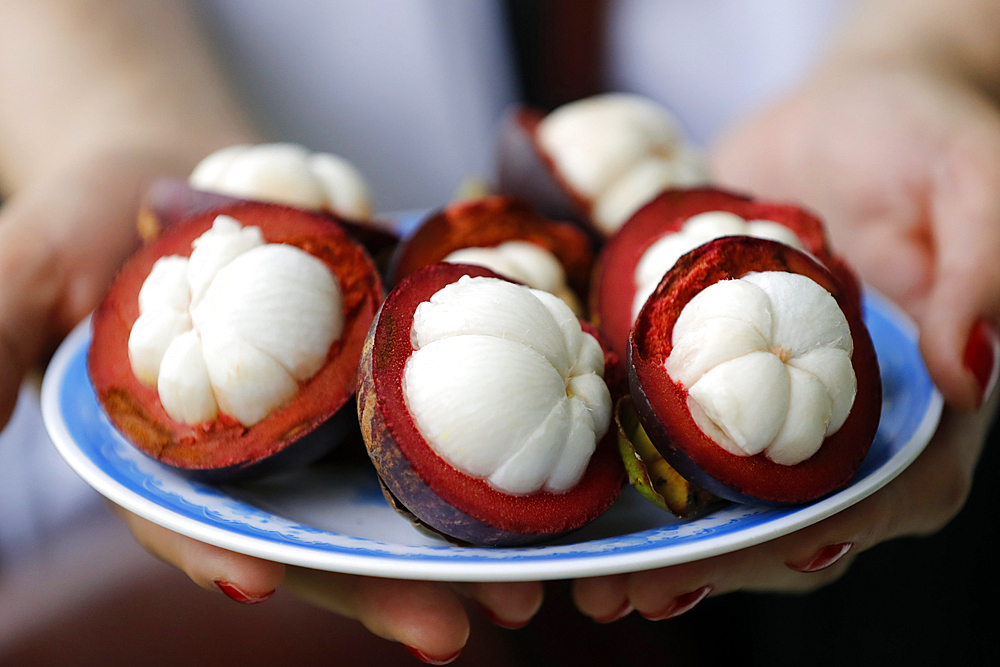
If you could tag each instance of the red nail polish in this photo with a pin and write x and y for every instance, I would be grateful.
(234, 593)
(423, 657)
(496, 620)
(823, 558)
(981, 355)
(622, 612)
(681, 604)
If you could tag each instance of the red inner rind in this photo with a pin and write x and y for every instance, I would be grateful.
(614, 277)
(135, 407)
(538, 513)
(756, 476)
(488, 222)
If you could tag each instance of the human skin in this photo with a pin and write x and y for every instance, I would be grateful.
(96, 98)
(895, 141)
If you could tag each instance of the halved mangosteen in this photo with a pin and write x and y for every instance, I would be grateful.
(251, 320)
(277, 173)
(753, 373)
(484, 410)
(595, 160)
(634, 260)
(507, 236)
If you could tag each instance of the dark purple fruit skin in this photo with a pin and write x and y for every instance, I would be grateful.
(524, 172)
(675, 456)
(398, 476)
(305, 451)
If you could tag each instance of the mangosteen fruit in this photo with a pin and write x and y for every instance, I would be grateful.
(634, 260)
(484, 409)
(508, 237)
(227, 341)
(278, 173)
(596, 160)
(285, 173)
(753, 373)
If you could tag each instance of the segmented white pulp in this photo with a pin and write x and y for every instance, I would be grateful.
(766, 360)
(504, 385)
(235, 327)
(619, 151)
(522, 261)
(285, 173)
(698, 230)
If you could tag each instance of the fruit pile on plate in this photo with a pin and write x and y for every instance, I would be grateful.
(605, 316)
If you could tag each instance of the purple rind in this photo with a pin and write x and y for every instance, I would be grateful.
(676, 457)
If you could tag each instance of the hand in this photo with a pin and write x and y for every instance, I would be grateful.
(903, 162)
(61, 241)
(427, 617)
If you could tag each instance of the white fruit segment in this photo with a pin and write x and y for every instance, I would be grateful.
(698, 230)
(766, 361)
(524, 262)
(285, 173)
(234, 328)
(618, 151)
(505, 386)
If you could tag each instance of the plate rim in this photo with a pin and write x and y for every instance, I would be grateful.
(494, 567)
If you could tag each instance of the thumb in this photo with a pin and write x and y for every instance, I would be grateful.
(959, 338)
(24, 295)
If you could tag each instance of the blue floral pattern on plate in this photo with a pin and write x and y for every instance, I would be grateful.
(334, 518)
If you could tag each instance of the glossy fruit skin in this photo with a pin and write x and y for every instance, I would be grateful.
(461, 507)
(225, 450)
(524, 170)
(661, 403)
(614, 287)
(486, 223)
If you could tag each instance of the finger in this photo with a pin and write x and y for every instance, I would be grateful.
(604, 599)
(25, 297)
(243, 578)
(427, 617)
(958, 325)
(921, 500)
(510, 605)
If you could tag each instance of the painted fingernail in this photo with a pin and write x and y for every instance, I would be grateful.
(234, 593)
(621, 613)
(681, 604)
(496, 620)
(423, 657)
(823, 558)
(982, 353)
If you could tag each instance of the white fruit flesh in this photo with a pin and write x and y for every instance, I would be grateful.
(524, 262)
(618, 151)
(698, 230)
(505, 386)
(234, 328)
(285, 173)
(766, 361)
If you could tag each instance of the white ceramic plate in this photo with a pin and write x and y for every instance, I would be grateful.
(333, 517)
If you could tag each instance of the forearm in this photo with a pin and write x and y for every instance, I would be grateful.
(81, 77)
(960, 36)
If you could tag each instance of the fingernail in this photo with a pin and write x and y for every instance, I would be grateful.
(981, 355)
(496, 620)
(622, 612)
(234, 593)
(823, 558)
(681, 604)
(423, 657)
